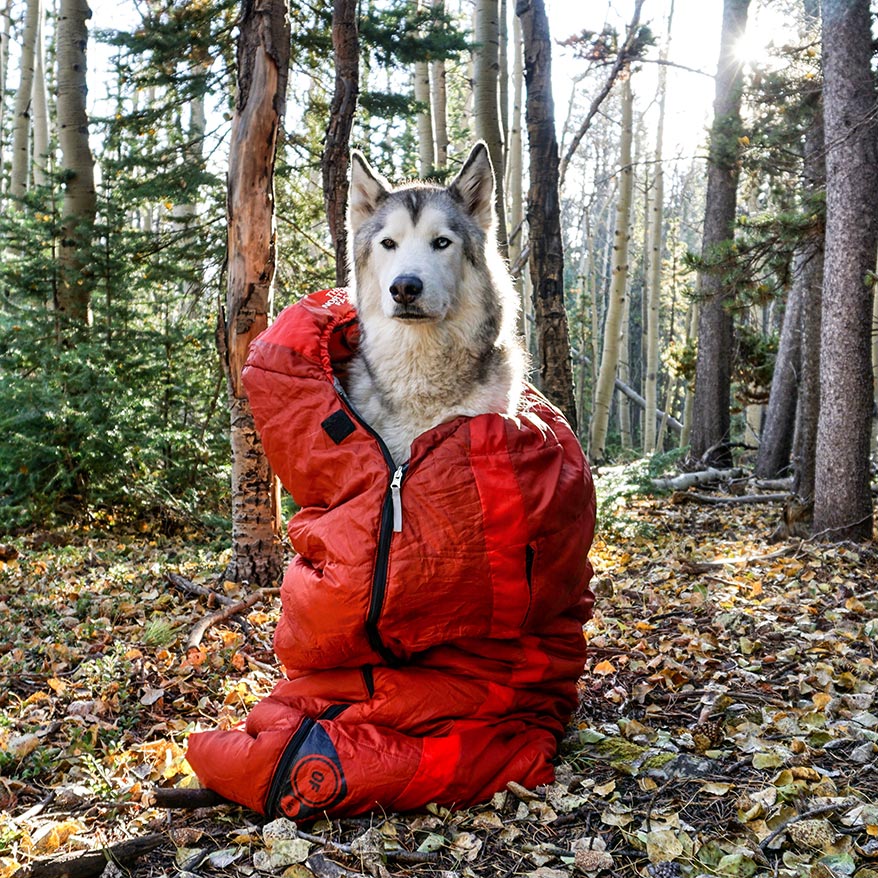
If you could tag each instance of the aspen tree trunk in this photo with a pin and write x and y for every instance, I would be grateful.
(689, 399)
(710, 413)
(503, 80)
(654, 274)
(544, 212)
(486, 101)
(5, 28)
(21, 122)
(426, 143)
(73, 293)
(263, 62)
(616, 298)
(439, 105)
(337, 147)
(515, 173)
(842, 499)
(623, 373)
(40, 107)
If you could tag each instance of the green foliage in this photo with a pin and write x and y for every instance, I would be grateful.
(618, 486)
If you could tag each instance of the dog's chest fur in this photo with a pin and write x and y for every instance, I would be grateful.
(406, 384)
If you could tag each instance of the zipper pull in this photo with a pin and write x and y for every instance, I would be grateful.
(396, 497)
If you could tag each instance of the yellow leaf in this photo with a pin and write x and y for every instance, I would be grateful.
(855, 605)
(56, 685)
(605, 789)
(604, 668)
(820, 700)
(755, 589)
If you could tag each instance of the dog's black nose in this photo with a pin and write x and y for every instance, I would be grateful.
(406, 288)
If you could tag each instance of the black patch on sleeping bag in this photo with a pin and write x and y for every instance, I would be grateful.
(309, 779)
(338, 426)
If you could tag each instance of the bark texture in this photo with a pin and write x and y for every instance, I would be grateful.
(486, 101)
(710, 414)
(776, 441)
(544, 212)
(439, 104)
(654, 269)
(616, 297)
(21, 122)
(337, 147)
(426, 142)
(72, 295)
(263, 61)
(842, 500)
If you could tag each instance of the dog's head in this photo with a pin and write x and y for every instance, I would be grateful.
(412, 247)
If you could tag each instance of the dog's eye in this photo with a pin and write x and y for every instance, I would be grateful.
(388, 244)
(441, 243)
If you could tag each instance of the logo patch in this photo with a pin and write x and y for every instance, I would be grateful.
(316, 781)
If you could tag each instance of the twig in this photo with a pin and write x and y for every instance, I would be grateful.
(84, 865)
(813, 812)
(207, 622)
(400, 856)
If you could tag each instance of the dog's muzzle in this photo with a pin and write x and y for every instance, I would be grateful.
(406, 288)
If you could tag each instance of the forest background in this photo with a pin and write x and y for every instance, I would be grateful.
(727, 723)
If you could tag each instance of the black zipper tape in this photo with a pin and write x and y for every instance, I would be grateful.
(284, 766)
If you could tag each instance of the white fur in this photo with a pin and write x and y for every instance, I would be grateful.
(410, 375)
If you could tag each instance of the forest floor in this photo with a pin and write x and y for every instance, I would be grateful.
(728, 723)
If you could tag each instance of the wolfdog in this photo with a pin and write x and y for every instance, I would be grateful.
(436, 305)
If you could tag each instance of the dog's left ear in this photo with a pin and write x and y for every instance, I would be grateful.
(368, 189)
(474, 186)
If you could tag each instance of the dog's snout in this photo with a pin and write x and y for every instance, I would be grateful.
(406, 288)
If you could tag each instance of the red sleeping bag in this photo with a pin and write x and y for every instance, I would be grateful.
(431, 631)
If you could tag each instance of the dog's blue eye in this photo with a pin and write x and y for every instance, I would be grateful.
(388, 244)
(441, 243)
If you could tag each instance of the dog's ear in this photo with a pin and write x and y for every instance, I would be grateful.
(474, 186)
(368, 189)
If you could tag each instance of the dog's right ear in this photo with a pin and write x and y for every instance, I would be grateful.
(368, 189)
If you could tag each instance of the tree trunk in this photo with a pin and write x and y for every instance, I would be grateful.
(5, 28)
(40, 105)
(544, 212)
(811, 281)
(710, 415)
(439, 104)
(654, 273)
(842, 500)
(618, 287)
(337, 148)
(263, 62)
(486, 102)
(21, 122)
(426, 145)
(515, 171)
(73, 293)
(776, 443)
(439, 107)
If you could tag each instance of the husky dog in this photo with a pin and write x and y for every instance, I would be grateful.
(436, 304)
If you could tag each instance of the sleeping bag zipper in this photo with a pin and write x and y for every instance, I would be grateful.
(391, 522)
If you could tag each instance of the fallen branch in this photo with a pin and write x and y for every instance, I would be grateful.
(703, 566)
(172, 797)
(85, 864)
(226, 612)
(688, 480)
(189, 587)
(712, 499)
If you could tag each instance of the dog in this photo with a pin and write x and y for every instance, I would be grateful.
(436, 304)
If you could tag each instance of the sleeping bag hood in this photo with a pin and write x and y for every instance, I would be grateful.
(431, 626)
